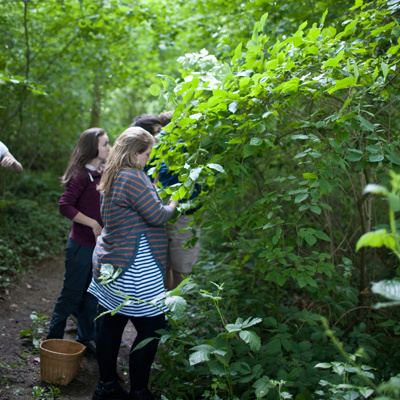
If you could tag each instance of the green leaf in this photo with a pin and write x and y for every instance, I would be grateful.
(322, 21)
(375, 189)
(323, 365)
(154, 89)
(358, 4)
(248, 150)
(244, 82)
(325, 186)
(217, 167)
(216, 368)
(322, 235)
(354, 155)
(271, 65)
(251, 338)
(256, 141)
(238, 53)
(143, 343)
(342, 84)
(376, 239)
(302, 282)
(309, 175)
(176, 304)
(301, 197)
(366, 392)
(195, 173)
(196, 116)
(389, 289)
(376, 157)
(365, 125)
(373, 148)
(313, 33)
(250, 322)
(201, 354)
(182, 192)
(299, 137)
(289, 86)
(385, 69)
(393, 159)
(394, 202)
(233, 107)
(237, 140)
(262, 387)
(315, 209)
(310, 239)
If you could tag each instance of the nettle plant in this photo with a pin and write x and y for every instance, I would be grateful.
(359, 379)
(280, 138)
(212, 363)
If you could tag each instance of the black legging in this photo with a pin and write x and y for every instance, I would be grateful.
(108, 342)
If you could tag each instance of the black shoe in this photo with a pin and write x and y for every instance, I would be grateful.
(110, 391)
(143, 394)
(90, 348)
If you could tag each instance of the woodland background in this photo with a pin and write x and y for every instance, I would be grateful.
(283, 112)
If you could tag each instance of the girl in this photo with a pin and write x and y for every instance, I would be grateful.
(133, 240)
(80, 202)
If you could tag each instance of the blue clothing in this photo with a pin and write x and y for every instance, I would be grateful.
(74, 297)
(169, 178)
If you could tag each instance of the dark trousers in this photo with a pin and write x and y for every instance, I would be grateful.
(109, 339)
(74, 298)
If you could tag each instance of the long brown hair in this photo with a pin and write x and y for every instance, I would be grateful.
(85, 151)
(132, 141)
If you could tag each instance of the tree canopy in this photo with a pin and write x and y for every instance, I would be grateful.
(283, 112)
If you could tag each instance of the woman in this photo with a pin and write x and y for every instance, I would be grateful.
(80, 202)
(133, 240)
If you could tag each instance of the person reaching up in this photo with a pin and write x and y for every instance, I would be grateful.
(133, 240)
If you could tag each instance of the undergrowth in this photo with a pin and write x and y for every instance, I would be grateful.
(30, 224)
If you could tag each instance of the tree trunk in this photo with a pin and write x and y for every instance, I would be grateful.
(95, 112)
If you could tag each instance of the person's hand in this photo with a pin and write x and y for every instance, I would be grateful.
(173, 203)
(96, 229)
(7, 162)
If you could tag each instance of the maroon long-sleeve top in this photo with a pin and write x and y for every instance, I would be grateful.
(81, 195)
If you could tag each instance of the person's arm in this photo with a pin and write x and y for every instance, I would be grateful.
(136, 188)
(90, 222)
(9, 161)
(67, 206)
(174, 204)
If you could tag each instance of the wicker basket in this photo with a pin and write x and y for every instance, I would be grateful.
(60, 360)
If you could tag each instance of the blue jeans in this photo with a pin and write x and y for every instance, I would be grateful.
(74, 298)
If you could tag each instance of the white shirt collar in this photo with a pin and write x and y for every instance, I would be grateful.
(89, 166)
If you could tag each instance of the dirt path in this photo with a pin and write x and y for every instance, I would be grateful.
(37, 291)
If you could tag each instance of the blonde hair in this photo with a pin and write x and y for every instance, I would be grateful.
(134, 140)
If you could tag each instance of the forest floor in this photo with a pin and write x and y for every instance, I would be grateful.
(20, 379)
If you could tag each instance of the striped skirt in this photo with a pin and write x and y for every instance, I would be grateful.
(142, 281)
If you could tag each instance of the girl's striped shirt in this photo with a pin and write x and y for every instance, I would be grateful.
(143, 280)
